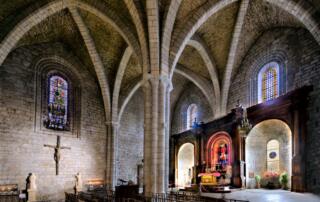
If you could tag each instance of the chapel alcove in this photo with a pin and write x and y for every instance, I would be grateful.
(185, 165)
(219, 151)
(268, 148)
(219, 156)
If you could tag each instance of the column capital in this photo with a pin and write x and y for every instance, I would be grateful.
(149, 80)
(146, 80)
(170, 86)
(166, 82)
(112, 123)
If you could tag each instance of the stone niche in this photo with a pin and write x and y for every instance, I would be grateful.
(258, 154)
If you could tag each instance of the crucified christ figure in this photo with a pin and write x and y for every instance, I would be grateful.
(57, 149)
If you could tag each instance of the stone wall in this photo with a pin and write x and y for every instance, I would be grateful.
(299, 54)
(191, 95)
(21, 146)
(130, 139)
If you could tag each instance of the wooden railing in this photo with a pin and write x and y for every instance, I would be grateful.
(168, 197)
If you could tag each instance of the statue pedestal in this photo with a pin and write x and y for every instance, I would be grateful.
(32, 195)
(77, 189)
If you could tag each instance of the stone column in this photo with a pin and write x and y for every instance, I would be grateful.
(147, 172)
(112, 142)
(108, 156)
(167, 134)
(115, 134)
(156, 141)
(162, 137)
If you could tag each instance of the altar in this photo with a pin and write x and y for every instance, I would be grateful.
(229, 151)
(216, 154)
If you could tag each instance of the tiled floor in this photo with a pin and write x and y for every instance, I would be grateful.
(263, 195)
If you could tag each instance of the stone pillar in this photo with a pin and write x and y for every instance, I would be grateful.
(112, 142)
(115, 132)
(156, 141)
(108, 156)
(167, 133)
(147, 172)
(162, 172)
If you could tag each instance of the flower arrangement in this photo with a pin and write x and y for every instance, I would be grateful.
(270, 180)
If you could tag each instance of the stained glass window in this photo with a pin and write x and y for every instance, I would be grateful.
(268, 82)
(191, 115)
(57, 103)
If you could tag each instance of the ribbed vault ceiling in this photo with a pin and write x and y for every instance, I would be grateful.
(216, 33)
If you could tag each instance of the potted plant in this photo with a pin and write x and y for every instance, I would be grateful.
(258, 179)
(283, 179)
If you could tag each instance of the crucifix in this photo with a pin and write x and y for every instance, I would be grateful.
(57, 149)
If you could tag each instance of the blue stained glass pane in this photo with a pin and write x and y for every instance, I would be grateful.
(57, 103)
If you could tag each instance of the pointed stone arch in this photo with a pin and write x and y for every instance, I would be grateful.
(167, 32)
(139, 24)
(128, 97)
(202, 84)
(204, 52)
(115, 98)
(51, 8)
(192, 25)
(301, 10)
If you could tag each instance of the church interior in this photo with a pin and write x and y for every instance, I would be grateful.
(159, 100)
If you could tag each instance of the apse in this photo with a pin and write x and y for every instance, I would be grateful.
(268, 150)
(185, 165)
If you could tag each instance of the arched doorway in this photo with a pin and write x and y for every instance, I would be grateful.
(185, 165)
(268, 151)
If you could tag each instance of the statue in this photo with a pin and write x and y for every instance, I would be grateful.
(32, 187)
(78, 184)
(32, 180)
(222, 155)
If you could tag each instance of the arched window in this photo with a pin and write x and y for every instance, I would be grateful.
(268, 82)
(273, 156)
(57, 104)
(192, 115)
(58, 97)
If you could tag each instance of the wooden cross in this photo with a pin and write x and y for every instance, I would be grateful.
(57, 149)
